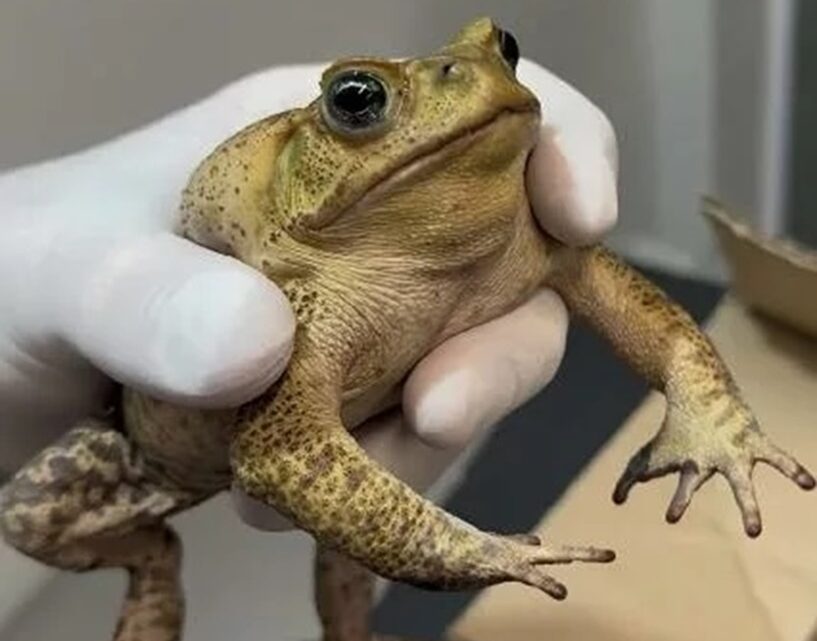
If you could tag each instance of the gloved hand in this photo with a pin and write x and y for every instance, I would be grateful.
(94, 287)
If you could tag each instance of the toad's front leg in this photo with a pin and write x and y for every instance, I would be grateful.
(294, 453)
(708, 428)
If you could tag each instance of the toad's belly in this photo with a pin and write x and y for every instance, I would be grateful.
(374, 381)
(191, 447)
(188, 446)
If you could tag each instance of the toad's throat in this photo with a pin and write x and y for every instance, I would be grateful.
(426, 157)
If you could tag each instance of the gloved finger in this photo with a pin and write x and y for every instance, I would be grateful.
(178, 321)
(573, 171)
(474, 379)
(401, 451)
(385, 439)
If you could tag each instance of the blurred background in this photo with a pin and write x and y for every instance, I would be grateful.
(707, 96)
(699, 91)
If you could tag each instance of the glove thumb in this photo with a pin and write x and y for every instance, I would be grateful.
(179, 322)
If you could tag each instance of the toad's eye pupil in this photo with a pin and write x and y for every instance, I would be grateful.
(356, 99)
(509, 48)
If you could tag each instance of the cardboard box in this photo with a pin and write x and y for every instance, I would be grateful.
(775, 277)
(701, 579)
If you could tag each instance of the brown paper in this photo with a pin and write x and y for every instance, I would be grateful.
(701, 579)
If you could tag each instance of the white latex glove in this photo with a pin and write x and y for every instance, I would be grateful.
(95, 288)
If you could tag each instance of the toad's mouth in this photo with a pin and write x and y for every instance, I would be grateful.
(424, 158)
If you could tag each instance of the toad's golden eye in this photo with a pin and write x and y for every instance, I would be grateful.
(355, 102)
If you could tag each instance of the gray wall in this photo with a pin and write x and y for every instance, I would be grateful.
(738, 84)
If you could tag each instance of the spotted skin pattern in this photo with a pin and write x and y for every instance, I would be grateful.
(90, 501)
(386, 243)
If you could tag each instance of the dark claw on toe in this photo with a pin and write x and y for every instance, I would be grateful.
(607, 556)
(559, 592)
(622, 490)
(674, 514)
(753, 529)
(804, 479)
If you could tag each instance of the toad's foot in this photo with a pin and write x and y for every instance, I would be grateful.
(727, 440)
(523, 554)
(519, 557)
(344, 589)
(708, 427)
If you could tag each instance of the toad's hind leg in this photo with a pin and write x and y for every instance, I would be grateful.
(89, 501)
(344, 596)
(344, 590)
